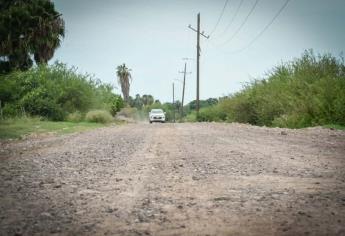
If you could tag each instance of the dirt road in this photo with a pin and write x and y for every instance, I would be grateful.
(175, 179)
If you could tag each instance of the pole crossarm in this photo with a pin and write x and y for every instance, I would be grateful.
(202, 33)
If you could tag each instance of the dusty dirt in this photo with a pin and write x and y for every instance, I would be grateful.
(175, 179)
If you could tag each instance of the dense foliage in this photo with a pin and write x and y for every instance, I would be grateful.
(54, 92)
(305, 92)
(28, 29)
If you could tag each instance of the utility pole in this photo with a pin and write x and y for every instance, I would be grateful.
(184, 85)
(197, 60)
(173, 87)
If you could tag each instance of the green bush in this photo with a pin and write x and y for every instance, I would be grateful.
(305, 92)
(11, 110)
(98, 116)
(290, 121)
(53, 92)
(191, 117)
(75, 117)
(212, 113)
(39, 102)
(116, 104)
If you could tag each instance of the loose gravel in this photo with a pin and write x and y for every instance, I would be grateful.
(175, 179)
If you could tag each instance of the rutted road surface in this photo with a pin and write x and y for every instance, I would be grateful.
(175, 179)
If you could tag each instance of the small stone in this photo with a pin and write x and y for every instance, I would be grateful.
(195, 178)
(46, 214)
(222, 199)
(110, 210)
(57, 186)
(283, 133)
(56, 230)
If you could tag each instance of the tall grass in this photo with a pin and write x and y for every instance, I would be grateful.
(14, 128)
(305, 92)
(98, 116)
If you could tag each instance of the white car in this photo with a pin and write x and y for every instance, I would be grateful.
(157, 115)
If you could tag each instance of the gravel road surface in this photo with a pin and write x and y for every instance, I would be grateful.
(175, 179)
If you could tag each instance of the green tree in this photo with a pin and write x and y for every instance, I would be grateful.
(147, 100)
(138, 102)
(124, 78)
(28, 29)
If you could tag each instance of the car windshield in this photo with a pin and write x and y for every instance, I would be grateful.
(157, 111)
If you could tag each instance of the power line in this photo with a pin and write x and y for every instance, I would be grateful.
(233, 17)
(265, 28)
(243, 23)
(220, 17)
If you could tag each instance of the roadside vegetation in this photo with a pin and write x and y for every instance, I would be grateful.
(15, 128)
(35, 96)
(54, 93)
(308, 91)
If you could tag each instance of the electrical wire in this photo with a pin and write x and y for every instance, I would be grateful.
(243, 23)
(233, 17)
(220, 17)
(265, 28)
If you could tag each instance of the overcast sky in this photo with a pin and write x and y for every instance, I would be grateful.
(152, 37)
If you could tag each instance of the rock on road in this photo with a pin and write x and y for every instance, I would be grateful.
(175, 179)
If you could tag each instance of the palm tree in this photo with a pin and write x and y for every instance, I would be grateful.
(124, 78)
(28, 28)
(48, 37)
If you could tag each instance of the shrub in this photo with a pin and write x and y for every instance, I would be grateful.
(53, 92)
(291, 121)
(40, 102)
(98, 116)
(128, 112)
(75, 117)
(305, 92)
(211, 114)
(11, 110)
(116, 104)
(191, 117)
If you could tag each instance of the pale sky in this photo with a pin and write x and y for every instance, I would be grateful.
(152, 37)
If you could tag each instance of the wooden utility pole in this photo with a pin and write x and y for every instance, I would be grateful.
(173, 87)
(197, 60)
(184, 85)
